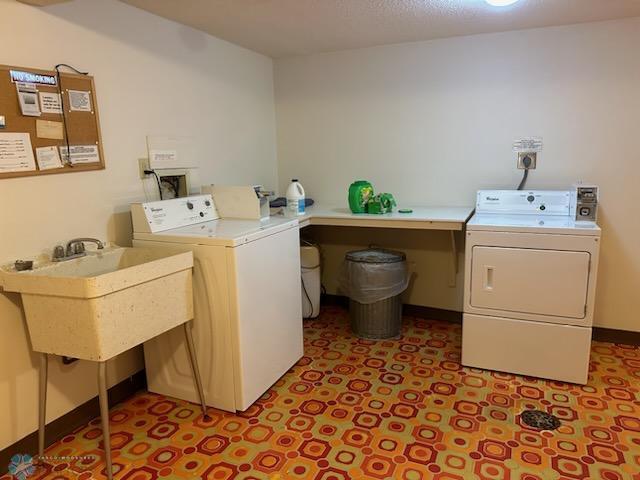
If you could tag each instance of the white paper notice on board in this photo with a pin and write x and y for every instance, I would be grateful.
(79, 101)
(16, 154)
(80, 154)
(48, 158)
(28, 98)
(163, 158)
(50, 103)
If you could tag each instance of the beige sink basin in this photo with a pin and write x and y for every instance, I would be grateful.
(98, 306)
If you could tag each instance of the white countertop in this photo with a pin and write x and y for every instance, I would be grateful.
(435, 218)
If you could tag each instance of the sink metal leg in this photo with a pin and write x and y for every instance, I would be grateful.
(194, 366)
(42, 402)
(104, 416)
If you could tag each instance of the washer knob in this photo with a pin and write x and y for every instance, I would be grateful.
(190, 205)
(542, 207)
(531, 198)
(207, 203)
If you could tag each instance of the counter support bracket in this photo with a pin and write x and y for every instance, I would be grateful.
(454, 259)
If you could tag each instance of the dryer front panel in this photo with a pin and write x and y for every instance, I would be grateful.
(526, 280)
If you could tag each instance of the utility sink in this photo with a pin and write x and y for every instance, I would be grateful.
(96, 307)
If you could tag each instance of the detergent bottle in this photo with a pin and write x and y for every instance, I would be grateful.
(295, 198)
(360, 192)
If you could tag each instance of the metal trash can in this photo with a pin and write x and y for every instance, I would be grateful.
(374, 279)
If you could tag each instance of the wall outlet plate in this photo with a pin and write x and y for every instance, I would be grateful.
(143, 164)
(534, 160)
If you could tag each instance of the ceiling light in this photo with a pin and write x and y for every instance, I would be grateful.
(500, 3)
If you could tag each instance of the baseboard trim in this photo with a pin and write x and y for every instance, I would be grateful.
(73, 420)
(611, 335)
(329, 299)
(419, 311)
(599, 334)
(431, 313)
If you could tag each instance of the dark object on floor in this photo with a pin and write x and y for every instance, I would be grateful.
(282, 202)
(540, 420)
(374, 279)
(379, 320)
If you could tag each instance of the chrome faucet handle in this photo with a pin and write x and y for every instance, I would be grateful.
(75, 248)
(80, 241)
(58, 253)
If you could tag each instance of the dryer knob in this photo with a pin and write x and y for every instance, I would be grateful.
(531, 198)
(190, 205)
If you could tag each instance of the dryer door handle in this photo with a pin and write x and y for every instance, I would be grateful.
(488, 278)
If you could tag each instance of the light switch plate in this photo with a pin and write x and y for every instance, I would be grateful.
(143, 164)
(2, 121)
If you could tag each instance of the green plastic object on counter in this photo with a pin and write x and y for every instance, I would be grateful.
(360, 192)
(381, 203)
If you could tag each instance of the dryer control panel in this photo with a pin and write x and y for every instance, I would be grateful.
(524, 202)
(152, 217)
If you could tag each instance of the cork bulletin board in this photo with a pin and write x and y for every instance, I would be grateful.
(75, 128)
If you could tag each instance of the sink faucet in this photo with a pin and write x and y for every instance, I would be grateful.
(74, 249)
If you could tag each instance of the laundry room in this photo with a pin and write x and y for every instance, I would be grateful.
(295, 239)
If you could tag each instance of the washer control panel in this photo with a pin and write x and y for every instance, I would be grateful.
(532, 202)
(151, 217)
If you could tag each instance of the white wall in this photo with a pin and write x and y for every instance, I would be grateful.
(432, 122)
(152, 76)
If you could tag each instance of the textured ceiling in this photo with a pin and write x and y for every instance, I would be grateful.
(281, 28)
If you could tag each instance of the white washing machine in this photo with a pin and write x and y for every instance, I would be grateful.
(248, 316)
(530, 283)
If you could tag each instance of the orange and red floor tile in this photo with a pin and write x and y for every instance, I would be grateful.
(396, 409)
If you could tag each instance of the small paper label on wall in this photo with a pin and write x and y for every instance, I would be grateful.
(80, 154)
(527, 144)
(79, 101)
(48, 158)
(163, 158)
(49, 129)
(50, 103)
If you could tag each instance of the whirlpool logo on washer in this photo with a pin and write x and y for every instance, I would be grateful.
(492, 199)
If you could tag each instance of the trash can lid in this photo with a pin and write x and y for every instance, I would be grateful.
(375, 255)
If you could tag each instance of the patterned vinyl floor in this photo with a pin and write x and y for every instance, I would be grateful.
(400, 409)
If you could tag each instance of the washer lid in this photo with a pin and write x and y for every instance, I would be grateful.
(558, 224)
(224, 232)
